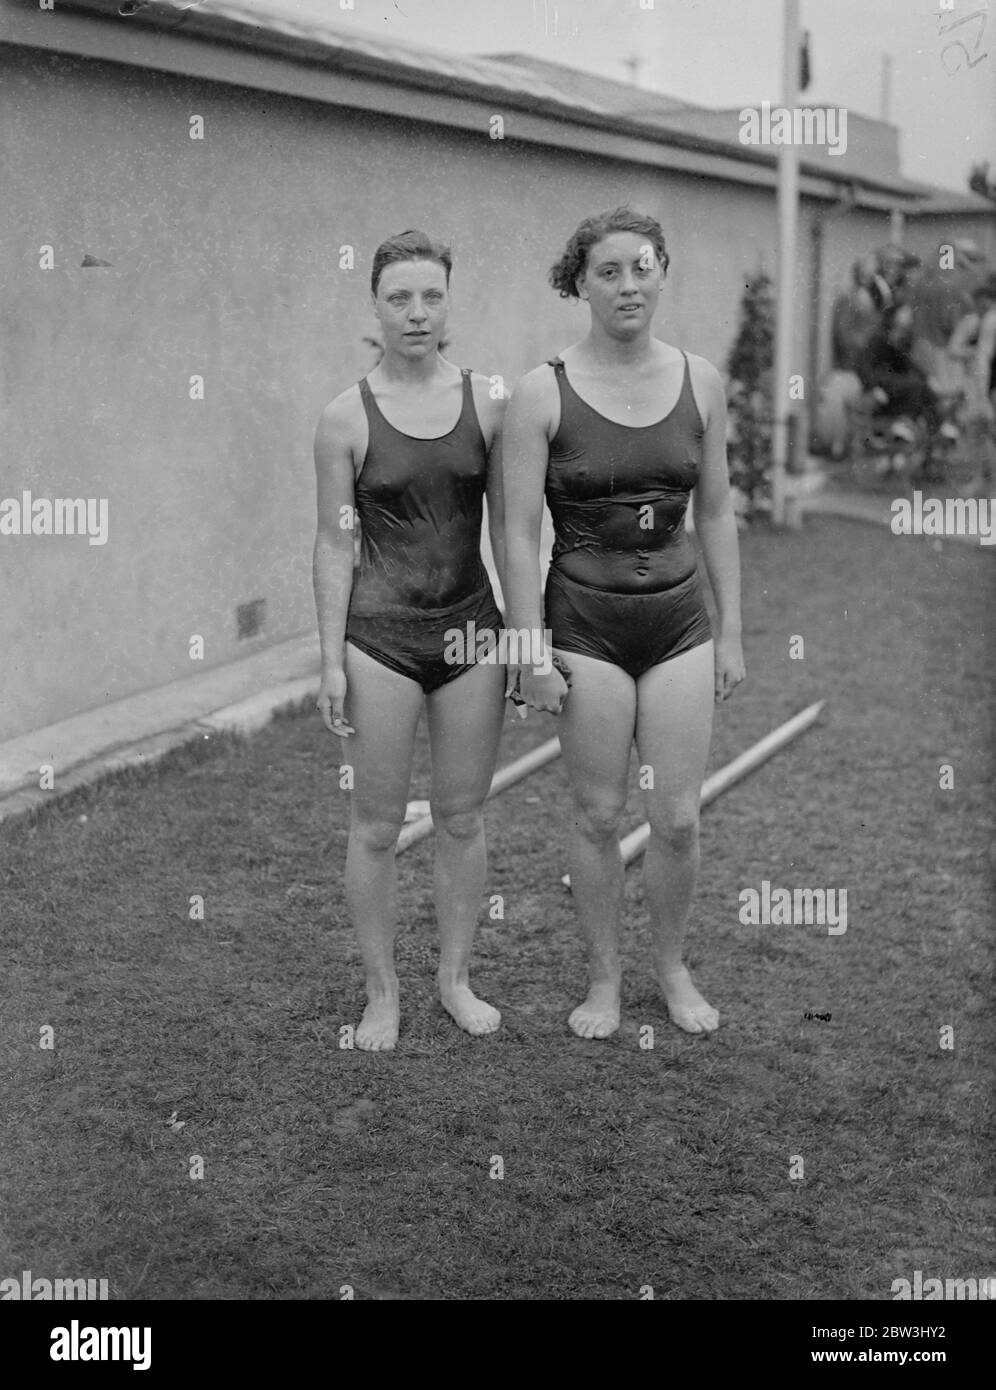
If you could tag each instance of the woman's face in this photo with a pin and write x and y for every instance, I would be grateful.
(411, 304)
(622, 282)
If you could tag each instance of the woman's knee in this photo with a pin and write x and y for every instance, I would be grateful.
(676, 826)
(375, 831)
(458, 822)
(600, 819)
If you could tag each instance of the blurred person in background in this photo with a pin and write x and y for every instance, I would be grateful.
(887, 368)
(973, 346)
(856, 317)
(941, 297)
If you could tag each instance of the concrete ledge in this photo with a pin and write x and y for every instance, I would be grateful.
(872, 508)
(849, 506)
(92, 745)
(249, 715)
(143, 753)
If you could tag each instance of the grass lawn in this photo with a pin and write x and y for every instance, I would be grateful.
(623, 1167)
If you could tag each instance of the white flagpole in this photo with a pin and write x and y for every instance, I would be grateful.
(788, 213)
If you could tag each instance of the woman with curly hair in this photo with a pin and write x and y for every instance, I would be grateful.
(618, 432)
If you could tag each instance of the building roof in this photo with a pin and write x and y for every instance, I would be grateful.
(942, 202)
(352, 69)
(325, 43)
(871, 148)
(624, 98)
(872, 145)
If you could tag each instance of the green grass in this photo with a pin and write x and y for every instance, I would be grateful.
(623, 1167)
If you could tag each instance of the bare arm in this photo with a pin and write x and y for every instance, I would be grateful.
(332, 566)
(529, 426)
(492, 415)
(716, 526)
(524, 460)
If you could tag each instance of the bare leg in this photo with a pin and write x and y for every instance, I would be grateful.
(384, 709)
(673, 728)
(465, 719)
(596, 734)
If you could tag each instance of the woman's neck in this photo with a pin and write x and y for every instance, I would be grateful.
(409, 371)
(601, 349)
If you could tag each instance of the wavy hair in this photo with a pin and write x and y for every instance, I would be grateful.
(566, 273)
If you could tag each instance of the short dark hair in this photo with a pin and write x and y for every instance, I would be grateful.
(568, 270)
(409, 246)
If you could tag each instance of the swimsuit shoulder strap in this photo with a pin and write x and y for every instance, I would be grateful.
(560, 375)
(686, 376)
(686, 401)
(469, 418)
(367, 397)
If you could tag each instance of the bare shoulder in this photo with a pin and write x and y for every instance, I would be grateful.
(536, 389)
(703, 370)
(343, 410)
(490, 399)
(343, 421)
(484, 384)
(707, 385)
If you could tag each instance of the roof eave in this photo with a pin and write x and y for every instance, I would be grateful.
(197, 25)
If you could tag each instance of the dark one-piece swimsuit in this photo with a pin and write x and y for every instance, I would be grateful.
(421, 578)
(623, 585)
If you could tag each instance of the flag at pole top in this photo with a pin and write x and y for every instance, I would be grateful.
(805, 71)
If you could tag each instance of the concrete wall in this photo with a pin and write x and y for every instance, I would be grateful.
(225, 263)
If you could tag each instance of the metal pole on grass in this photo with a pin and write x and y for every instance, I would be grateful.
(631, 846)
(503, 778)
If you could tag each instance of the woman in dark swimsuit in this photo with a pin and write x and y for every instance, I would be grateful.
(618, 432)
(411, 451)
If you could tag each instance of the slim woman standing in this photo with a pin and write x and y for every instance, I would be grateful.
(618, 432)
(411, 451)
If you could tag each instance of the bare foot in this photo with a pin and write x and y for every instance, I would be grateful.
(472, 1014)
(685, 1004)
(598, 1016)
(378, 1028)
